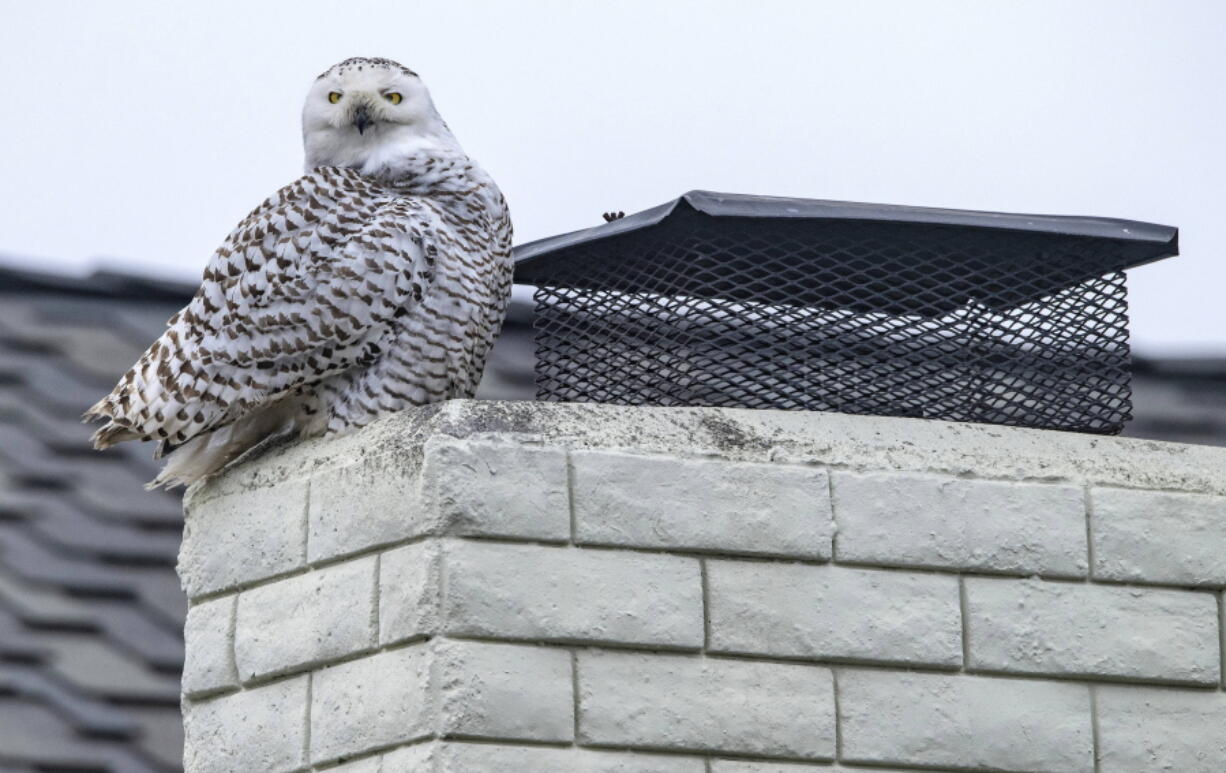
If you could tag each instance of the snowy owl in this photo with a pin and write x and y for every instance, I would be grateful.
(375, 282)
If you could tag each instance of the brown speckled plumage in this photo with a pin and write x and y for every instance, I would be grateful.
(345, 296)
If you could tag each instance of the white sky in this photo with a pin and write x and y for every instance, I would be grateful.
(136, 134)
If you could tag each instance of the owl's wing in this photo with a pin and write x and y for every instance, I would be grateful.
(302, 289)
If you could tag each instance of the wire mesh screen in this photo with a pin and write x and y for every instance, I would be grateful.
(898, 319)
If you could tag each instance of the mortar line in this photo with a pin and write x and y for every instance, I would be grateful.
(1094, 733)
(376, 600)
(1221, 629)
(365, 754)
(306, 525)
(574, 682)
(834, 519)
(232, 639)
(838, 716)
(1081, 677)
(313, 666)
(966, 623)
(706, 604)
(306, 719)
(333, 763)
(439, 568)
(570, 495)
(706, 755)
(690, 752)
(451, 739)
(1089, 515)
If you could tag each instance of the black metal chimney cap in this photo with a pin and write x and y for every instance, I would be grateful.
(1135, 243)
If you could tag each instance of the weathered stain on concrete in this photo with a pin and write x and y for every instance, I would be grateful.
(850, 442)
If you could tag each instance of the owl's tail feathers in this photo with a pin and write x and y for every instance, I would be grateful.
(114, 431)
(207, 454)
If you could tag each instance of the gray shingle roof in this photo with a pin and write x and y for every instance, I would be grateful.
(1182, 400)
(90, 609)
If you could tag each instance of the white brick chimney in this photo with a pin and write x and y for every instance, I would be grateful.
(550, 588)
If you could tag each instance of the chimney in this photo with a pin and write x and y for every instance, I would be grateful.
(523, 588)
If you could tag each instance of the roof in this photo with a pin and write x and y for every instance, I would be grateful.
(1138, 242)
(91, 611)
(90, 606)
(1181, 399)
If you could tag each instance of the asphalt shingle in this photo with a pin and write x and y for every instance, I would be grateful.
(91, 612)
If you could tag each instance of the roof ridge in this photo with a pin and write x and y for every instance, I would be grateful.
(101, 283)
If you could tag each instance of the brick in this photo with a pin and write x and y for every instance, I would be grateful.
(662, 502)
(233, 540)
(706, 704)
(962, 721)
(259, 729)
(1161, 730)
(499, 488)
(505, 691)
(489, 758)
(569, 594)
(1158, 536)
(418, 758)
(1074, 629)
(409, 592)
(208, 633)
(305, 620)
(937, 521)
(372, 702)
(792, 610)
(374, 502)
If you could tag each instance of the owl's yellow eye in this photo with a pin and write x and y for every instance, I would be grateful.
(334, 97)
(393, 97)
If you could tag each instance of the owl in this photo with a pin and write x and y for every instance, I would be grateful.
(375, 282)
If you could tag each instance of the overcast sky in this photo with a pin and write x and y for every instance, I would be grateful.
(136, 134)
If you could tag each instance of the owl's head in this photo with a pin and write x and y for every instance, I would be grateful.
(364, 113)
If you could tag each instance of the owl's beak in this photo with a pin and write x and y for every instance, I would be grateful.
(361, 119)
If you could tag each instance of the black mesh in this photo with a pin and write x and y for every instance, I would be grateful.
(864, 317)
